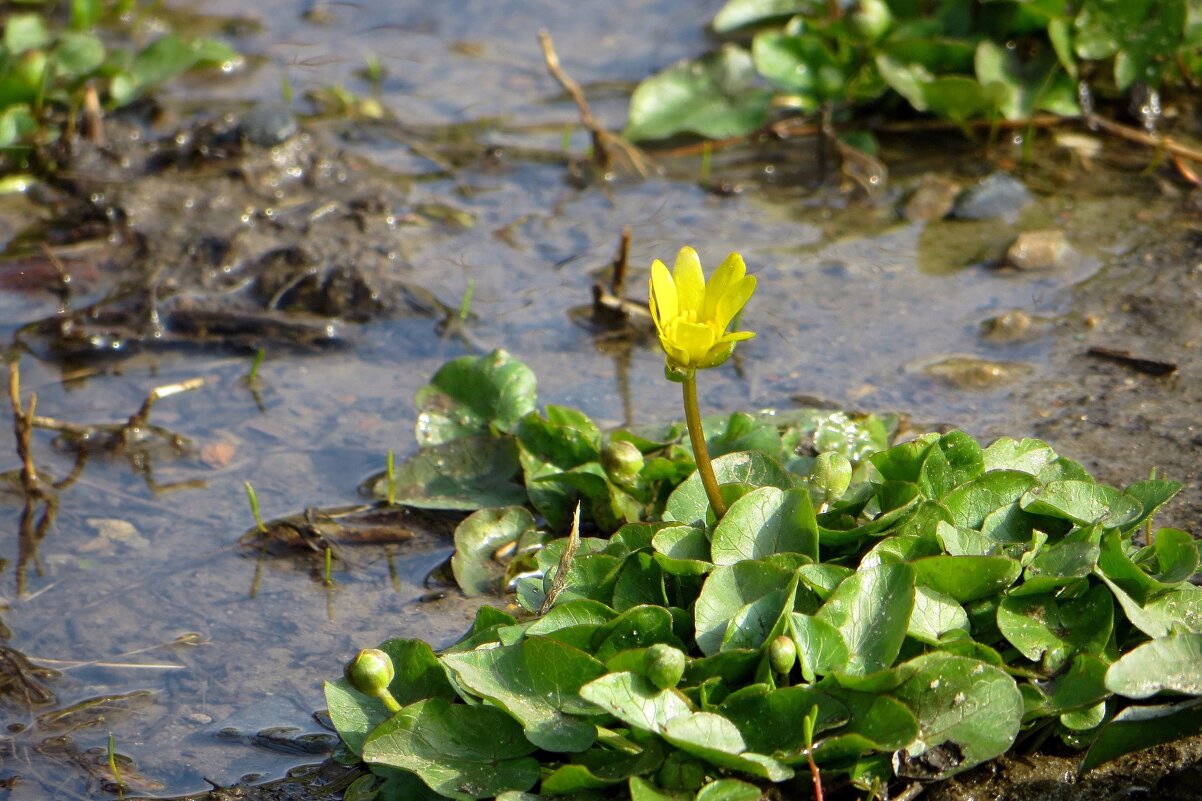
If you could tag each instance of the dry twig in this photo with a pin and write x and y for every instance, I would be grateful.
(604, 142)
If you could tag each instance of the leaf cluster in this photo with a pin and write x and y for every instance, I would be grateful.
(913, 621)
(959, 60)
(46, 63)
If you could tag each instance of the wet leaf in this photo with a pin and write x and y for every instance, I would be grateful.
(763, 522)
(727, 590)
(876, 723)
(821, 649)
(467, 474)
(871, 610)
(1045, 628)
(729, 790)
(458, 750)
(716, 96)
(1029, 456)
(1139, 727)
(715, 739)
(688, 502)
(78, 54)
(971, 502)
(24, 32)
(973, 705)
(470, 395)
(1082, 502)
(683, 550)
(1172, 663)
(477, 540)
(538, 682)
(967, 578)
(740, 13)
(935, 616)
(1170, 560)
(801, 65)
(768, 718)
(635, 701)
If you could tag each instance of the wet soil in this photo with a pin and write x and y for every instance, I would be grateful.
(344, 250)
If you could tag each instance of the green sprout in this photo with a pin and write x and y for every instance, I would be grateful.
(808, 723)
(112, 756)
(254, 507)
(390, 470)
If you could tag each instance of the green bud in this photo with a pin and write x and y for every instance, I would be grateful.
(830, 476)
(370, 673)
(680, 772)
(782, 654)
(622, 461)
(871, 20)
(664, 665)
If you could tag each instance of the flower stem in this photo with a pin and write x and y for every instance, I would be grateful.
(701, 455)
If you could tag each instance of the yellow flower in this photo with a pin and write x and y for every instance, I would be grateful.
(691, 315)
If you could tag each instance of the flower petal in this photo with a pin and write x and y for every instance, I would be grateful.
(729, 271)
(737, 336)
(732, 301)
(690, 281)
(695, 339)
(662, 295)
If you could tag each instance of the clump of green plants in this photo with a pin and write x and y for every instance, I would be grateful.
(827, 608)
(49, 65)
(959, 60)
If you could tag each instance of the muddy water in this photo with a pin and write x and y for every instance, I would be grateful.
(207, 658)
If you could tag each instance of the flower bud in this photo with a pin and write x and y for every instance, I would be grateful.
(370, 673)
(622, 461)
(664, 665)
(871, 20)
(782, 654)
(830, 476)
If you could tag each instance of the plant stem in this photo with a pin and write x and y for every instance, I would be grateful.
(701, 455)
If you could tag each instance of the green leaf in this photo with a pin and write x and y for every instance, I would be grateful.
(972, 502)
(1139, 727)
(876, 723)
(1171, 560)
(821, 649)
(727, 590)
(477, 539)
(1152, 494)
(935, 616)
(971, 704)
(954, 459)
(538, 682)
(459, 751)
(689, 504)
(1029, 456)
(742, 432)
(768, 718)
(801, 65)
(717, 740)
(682, 551)
(637, 627)
(1045, 628)
(871, 609)
(1172, 664)
(465, 474)
(853, 436)
(967, 578)
(635, 701)
(78, 54)
(601, 767)
(25, 32)
(715, 96)
(418, 675)
(470, 394)
(1082, 502)
(1057, 565)
(741, 13)
(729, 790)
(763, 522)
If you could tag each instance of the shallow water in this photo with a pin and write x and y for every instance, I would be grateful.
(857, 308)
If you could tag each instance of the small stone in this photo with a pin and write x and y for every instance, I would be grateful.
(933, 200)
(997, 195)
(1013, 326)
(1039, 250)
(970, 372)
(267, 125)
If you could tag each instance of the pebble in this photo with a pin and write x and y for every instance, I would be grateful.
(1013, 326)
(970, 372)
(1039, 250)
(267, 125)
(997, 195)
(933, 200)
